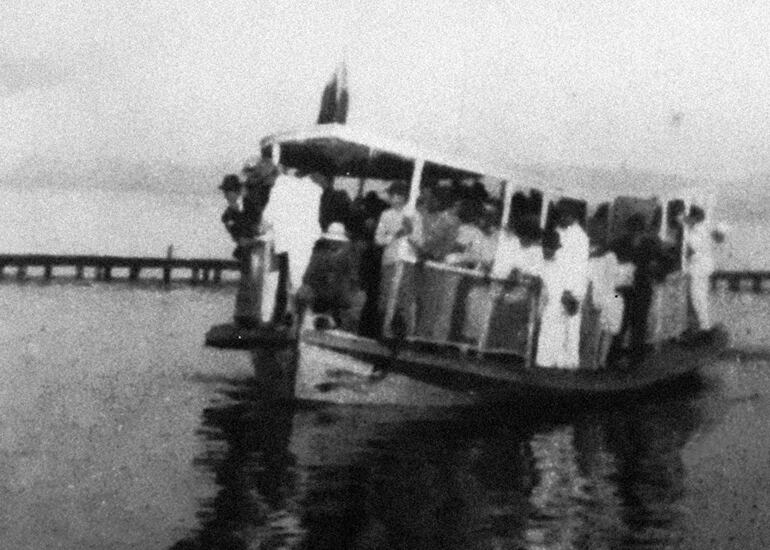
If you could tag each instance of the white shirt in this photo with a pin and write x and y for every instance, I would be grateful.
(698, 240)
(573, 254)
(292, 216)
(391, 222)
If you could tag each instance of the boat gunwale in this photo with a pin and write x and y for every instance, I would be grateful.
(638, 375)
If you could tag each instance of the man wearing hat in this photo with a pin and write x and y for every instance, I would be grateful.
(260, 176)
(232, 217)
(330, 283)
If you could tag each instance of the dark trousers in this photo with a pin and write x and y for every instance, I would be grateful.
(638, 300)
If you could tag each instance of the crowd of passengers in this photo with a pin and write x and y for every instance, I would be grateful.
(348, 271)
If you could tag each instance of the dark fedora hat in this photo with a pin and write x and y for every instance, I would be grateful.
(230, 183)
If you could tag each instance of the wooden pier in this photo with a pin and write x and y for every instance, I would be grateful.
(741, 281)
(207, 270)
(108, 268)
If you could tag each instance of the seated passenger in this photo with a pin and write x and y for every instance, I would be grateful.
(441, 224)
(519, 252)
(330, 284)
(471, 243)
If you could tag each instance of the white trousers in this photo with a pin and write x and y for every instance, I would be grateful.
(699, 294)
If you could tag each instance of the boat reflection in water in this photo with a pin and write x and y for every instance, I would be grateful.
(381, 477)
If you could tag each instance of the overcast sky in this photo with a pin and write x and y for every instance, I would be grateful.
(665, 86)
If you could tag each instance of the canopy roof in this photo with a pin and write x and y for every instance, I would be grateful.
(349, 151)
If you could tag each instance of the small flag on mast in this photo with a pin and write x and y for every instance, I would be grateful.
(334, 101)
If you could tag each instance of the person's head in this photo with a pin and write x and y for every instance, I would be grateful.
(676, 213)
(490, 217)
(398, 194)
(565, 216)
(231, 188)
(444, 199)
(551, 243)
(259, 171)
(529, 231)
(469, 211)
(635, 223)
(696, 215)
(324, 181)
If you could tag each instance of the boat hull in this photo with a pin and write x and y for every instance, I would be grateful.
(335, 367)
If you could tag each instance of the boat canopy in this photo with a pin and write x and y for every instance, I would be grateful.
(349, 151)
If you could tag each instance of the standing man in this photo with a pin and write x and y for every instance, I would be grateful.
(232, 217)
(399, 234)
(700, 263)
(292, 216)
(260, 174)
(330, 283)
(335, 203)
(572, 258)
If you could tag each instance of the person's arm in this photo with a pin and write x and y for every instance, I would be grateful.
(384, 233)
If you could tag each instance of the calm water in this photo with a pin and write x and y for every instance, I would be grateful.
(119, 429)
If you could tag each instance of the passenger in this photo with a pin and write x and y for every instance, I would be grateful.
(673, 236)
(470, 245)
(365, 214)
(507, 254)
(490, 226)
(399, 235)
(232, 217)
(643, 248)
(441, 224)
(573, 256)
(558, 344)
(335, 203)
(260, 175)
(605, 275)
(292, 216)
(700, 264)
(330, 284)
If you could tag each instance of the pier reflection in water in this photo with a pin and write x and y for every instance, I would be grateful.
(365, 477)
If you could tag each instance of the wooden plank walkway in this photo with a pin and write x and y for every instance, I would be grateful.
(197, 270)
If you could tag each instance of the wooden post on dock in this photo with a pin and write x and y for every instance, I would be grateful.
(167, 268)
(133, 273)
(48, 271)
(21, 273)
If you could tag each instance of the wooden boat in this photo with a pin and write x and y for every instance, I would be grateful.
(474, 336)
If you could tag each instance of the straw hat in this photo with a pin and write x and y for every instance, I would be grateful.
(335, 232)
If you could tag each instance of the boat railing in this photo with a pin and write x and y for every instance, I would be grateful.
(469, 310)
